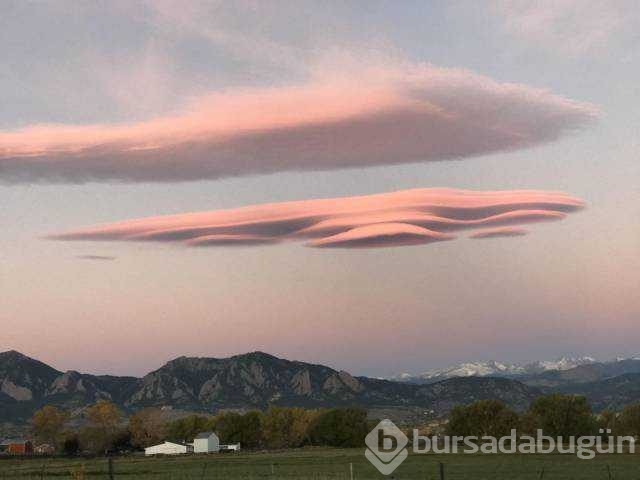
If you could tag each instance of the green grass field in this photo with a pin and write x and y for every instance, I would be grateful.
(320, 464)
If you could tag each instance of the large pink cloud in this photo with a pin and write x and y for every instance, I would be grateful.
(381, 116)
(406, 217)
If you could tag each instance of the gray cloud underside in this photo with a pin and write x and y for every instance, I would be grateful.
(499, 232)
(96, 257)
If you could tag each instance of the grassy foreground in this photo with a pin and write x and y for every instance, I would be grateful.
(320, 464)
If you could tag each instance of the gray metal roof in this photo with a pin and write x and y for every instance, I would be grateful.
(202, 435)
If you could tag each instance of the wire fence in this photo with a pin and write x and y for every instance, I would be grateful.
(323, 466)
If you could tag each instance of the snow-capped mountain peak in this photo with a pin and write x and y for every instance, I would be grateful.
(563, 363)
(490, 368)
(473, 369)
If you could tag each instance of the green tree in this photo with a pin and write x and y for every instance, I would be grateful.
(628, 422)
(70, 444)
(288, 427)
(561, 415)
(48, 425)
(612, 421)
(340, 427)
(186, 428)
(104, 420)
(147, 427)
(276, 426)
(482, 418)
(233, 427)
(302, 422)
(104, 415)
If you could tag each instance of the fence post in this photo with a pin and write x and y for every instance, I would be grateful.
(609, 472)
(351, 470)
(441, 468)
(110, 468)
(541, 473)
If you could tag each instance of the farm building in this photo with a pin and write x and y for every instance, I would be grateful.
(206, 442)
(16, 447)
(168, 448)
(45, 449)
(232, 447)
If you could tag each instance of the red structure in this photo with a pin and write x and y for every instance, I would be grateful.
(16, 447)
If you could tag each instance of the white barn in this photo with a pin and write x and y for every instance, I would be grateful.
(168, 448)
(206, 442)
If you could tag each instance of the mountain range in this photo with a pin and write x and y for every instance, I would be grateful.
(257, 380)
(608, 385)
(494, 368)
(250, 381)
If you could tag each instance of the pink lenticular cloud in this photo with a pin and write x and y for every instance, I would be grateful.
(499, 232)
(381, 235)
(385, 116)
(408, 217)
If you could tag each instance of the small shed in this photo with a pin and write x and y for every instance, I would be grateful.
(232, 447)
(168, 448)
(206, 442)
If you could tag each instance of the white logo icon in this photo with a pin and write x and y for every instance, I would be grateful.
(386, 444)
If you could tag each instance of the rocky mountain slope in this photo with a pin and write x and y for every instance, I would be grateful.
(26, 384)
(593, 372)
(253, 380)
(23, 378)
(610, 385)
(609, 394)
(257, 380)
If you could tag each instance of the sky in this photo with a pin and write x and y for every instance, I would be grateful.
(381, 187)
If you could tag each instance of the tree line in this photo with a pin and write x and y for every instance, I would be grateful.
(106, 429)
(556, 415)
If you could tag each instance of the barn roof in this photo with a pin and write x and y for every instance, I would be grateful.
(202, 435)
(169, 442)
(14, 441)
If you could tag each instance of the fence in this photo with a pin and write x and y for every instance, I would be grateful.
(323, 465)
